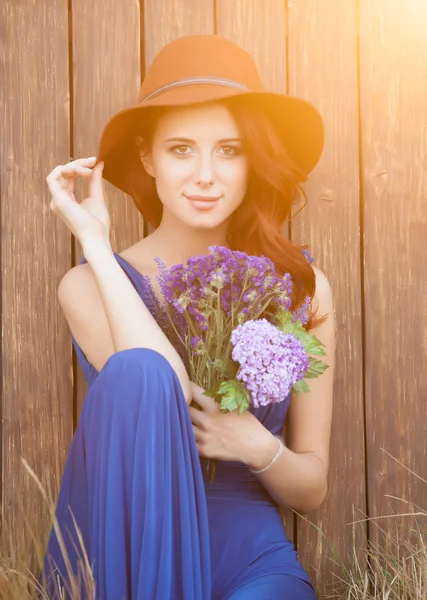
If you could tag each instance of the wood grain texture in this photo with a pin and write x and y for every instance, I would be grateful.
(393, 52)
(108, 33)
(37, 390)
(323, 70)
(249, 23)
(166, 20)
(259, 28)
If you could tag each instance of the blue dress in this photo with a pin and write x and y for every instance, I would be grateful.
(152, 524)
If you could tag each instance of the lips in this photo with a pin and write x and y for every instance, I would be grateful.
(203, 198)
(202, 202)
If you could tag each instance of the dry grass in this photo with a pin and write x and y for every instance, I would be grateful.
(393, 569)
(22, 551)
(392, 565)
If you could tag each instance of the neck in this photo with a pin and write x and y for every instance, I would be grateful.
(179, 243)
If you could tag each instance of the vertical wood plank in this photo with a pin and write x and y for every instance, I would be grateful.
(106, 79)
(166, 20)
(260, 29)
(37, 398)
(323, 70)
(393, 53)
(249, 23)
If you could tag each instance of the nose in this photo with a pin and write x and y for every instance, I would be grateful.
(204, 171)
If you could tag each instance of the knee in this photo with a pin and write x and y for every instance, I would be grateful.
(135, 373)
(134, 361)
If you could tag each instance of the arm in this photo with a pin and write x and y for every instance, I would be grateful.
(131, 323)
(298, 479)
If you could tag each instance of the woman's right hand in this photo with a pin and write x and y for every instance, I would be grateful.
(88, 219)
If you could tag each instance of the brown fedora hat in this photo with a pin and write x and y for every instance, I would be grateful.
(201, 68)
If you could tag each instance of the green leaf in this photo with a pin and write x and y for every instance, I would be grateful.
(301, 386)
(226, 366)
(312, 345)
(316, 368)
(228, 403)
(234, 396)
(282, 318)
(212, 392)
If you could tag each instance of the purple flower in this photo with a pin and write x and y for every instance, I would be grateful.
(271, 362)
(246, 280)
(303, 312)
(307, 255)
(196, 345)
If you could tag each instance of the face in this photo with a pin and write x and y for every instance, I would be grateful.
(198, 163)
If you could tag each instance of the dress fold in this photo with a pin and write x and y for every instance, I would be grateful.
(133, 481)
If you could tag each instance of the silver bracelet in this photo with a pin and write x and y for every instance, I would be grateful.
(278, 453)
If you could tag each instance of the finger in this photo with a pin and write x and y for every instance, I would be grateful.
(54, 182)
(198, 435)
(197, 417)
(199, 449)
(206, 402)
(83, 162)
(70, 174)
(62, 172)
(76, 170)
(61, 179)
(72, 167)
(95, 182)
(203, 450)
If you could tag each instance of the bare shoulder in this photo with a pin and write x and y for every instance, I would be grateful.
(83, 307)
(323, 304)
(323, 286)
(81, 303)
(323, 295)
(80, 282)
(77, 279)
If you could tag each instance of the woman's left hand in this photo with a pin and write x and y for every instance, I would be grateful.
(226, 436)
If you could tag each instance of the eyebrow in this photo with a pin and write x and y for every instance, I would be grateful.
(184, 139)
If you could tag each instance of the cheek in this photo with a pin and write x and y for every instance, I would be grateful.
(236, 176)
(171, 174)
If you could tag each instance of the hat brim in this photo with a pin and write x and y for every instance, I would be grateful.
(298, 124)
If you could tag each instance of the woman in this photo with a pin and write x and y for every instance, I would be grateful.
(209, 157)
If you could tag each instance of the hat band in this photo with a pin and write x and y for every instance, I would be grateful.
(191, 81)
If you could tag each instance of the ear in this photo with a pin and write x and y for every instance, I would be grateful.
(146, 160)
(145, 156)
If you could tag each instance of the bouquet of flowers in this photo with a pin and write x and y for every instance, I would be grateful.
(228, 315)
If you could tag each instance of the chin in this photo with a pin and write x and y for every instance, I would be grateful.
(206, 224)
(204, 221)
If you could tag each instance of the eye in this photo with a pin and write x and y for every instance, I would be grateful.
(180, 147)
(231, 150)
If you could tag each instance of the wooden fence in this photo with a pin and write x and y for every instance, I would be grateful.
(69, 65)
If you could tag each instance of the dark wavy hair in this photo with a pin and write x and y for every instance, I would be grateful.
(274, 187)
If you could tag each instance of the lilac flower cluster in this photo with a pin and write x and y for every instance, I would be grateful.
(271, 362)
(227, 279)
(249, 279)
